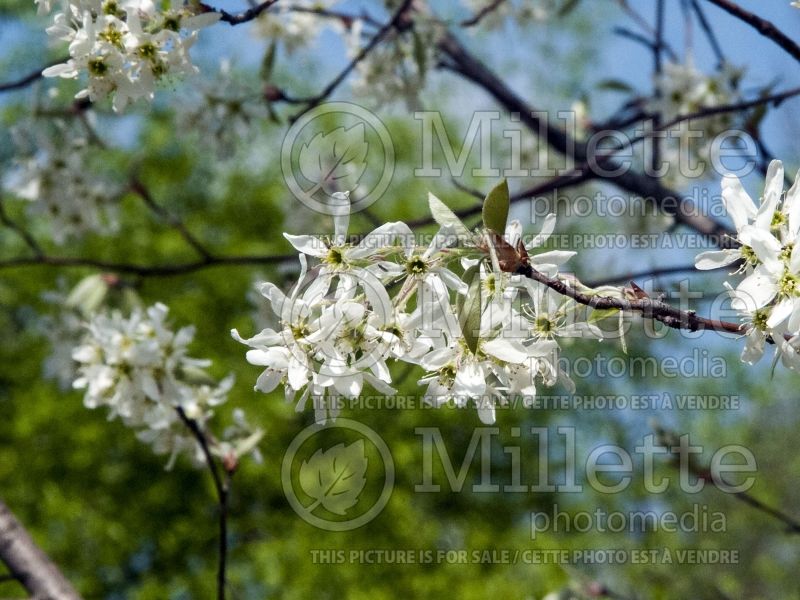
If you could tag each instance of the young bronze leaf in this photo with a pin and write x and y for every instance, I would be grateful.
(469, 308)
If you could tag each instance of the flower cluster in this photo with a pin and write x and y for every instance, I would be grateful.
(768, 255)
(124, 46)
(139, 369)
(54, 177)
(492, 15)
(483, 335)
(684, 90)
(296, 24)
(397, 68)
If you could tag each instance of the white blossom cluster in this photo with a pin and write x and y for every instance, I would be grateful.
(51, 173)
(124, 46)
(139, 369)
(492, 14)
(296, 24)
(395, 69)
(388, 298)
(768, 297)
(683, 90)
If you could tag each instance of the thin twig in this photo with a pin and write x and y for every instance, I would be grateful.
(20, 231)
(221, 485)
(169, 270)
(374, 41)
(143, 192)
(642, 39)
(764, 27)
(647, 307)
(30, 78)
(657, 64)
(482, 13)
(242, 17)
(709, 33)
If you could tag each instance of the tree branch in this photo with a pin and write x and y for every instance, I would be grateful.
(29, 564)
(636, 183)
(147, 270)
(144, 193)
(222, 486)
(313, 101)
(764, 27)
(646, 307)
(243, 17)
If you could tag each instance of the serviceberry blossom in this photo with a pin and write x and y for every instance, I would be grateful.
(683, 90)
(124, 47)
(296, 24)
(139, 368)
(51, 173)
(481, 336)
(768, 298)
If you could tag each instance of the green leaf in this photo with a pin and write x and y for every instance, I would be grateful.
(268, 63)
(335, 477)
(446, 217)
(568, 7)
(495, 208)
(599, 314)
(469, 308)
(614, 85)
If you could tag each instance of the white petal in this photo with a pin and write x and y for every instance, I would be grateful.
(268, 380)
(470, 381)
(780, 312)
(511, 351)
(548, 227)
(307, 244)
(714, 259)
(737, 202)
(553, 257)
(754, 292)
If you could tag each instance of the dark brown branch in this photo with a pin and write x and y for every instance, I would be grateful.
(657, 66)
(709, 32)
(222, 486)
(29, 564)
(644, 40)
(764, 27)
(313, 101)
(636, 183)
(646, 307)
(666, 440)
(482, 13)
(146, 270)
(30, 78)
(243, 17)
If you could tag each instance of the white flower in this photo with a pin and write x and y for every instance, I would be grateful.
(768, 298)
(328, 344)
(742, 210)
(139, 369)
(53, 176)
(124, 47)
